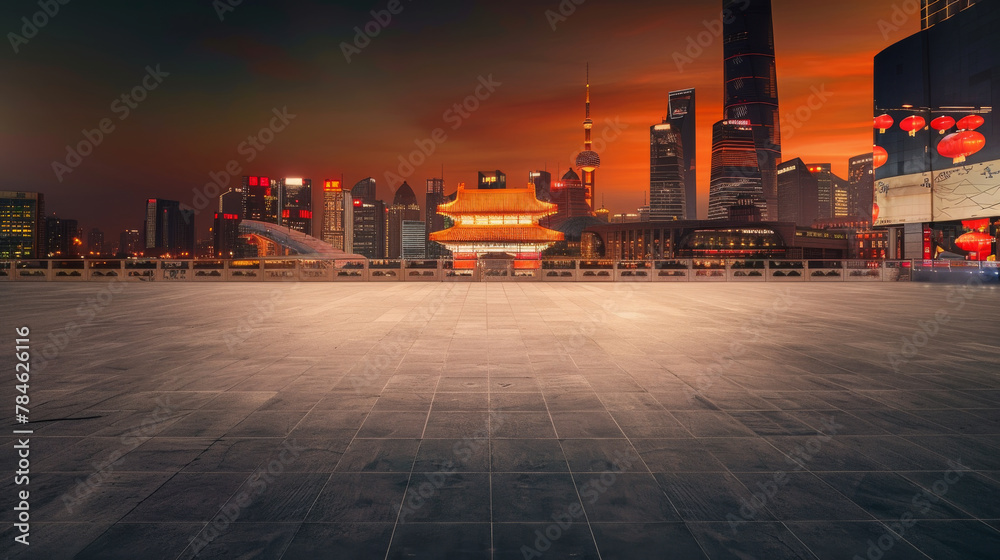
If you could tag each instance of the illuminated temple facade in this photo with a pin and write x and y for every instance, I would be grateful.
(492, 221)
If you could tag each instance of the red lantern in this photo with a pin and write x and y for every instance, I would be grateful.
(971, 122)
(912, 124)
(975, 242)
(879, 156)
(971, 142)
(942, 124)
(960, 145)
(948, 147)
(875, 212)
(883, 122)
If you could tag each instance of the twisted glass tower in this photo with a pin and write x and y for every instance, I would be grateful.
(751, 85)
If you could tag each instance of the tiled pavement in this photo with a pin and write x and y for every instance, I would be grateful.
(611, 421)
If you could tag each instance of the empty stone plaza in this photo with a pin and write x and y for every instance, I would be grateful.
(607, 421)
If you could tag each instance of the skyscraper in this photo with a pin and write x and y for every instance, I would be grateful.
(833, 191)
(22, 225)
(798, 193)
(413, 243)
(369, 221)
(681, 112)
(63, 237)
(95, 242)
(542, 181)
(492, 180)
(588, 161)
(936, 11)
(226, 225)
(333, 214)
(404, 208)
(130, 243)
(168, 229)
(433, 221)
(261, 199)
(751, 85)
(296, 204)
(666, 173)
(861, 181)
(734, 168)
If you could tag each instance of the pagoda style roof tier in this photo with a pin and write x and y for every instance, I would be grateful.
(533, 233)
(497, 201)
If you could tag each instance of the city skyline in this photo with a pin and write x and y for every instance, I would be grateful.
(229, 81)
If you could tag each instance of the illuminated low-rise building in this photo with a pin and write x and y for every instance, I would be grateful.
(489, 221)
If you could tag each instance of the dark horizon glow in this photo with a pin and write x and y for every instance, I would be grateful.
(356, 119)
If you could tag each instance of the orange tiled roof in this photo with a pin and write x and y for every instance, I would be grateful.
(510, 234)
(496, 201)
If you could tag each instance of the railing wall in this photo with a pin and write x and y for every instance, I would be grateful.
(555, 270)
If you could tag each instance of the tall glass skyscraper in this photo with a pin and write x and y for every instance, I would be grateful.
(681, 114)
(666, 173)
(751, 85)
(734, 168)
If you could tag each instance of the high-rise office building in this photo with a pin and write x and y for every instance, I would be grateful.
(404, 208)
(833, 191)
(62, 237)
(734, 168)
(369, 237)
(542, 181)
(296, 205)
(861, 187)
(936, 11)
(798, 193)
(22, 225)
(168, 229)
(492, 180)
(681, 113)
(333, 213)
(751, 86)
(936, 186)
(588, 161)
(225, 226)
(261, 199)
(413, 244)
(95, 242)
(369, 221)
(130, 243)
(666, 173)
(434, 221)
